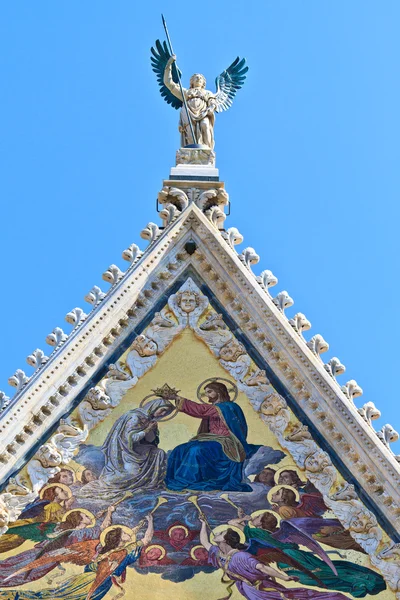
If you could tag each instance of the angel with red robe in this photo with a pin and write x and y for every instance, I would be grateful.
(116, 549)
(306, 512)
(74, 540)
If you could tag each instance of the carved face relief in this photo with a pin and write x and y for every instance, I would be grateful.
(149, 348)
(145, 346)
(97, 398)
(48, 456)
(272, 405)
(316, 462)
(231, 351)
(187, 301)
(361, 523)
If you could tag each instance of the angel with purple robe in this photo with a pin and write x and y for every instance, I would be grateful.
(279, 541)
(253, 579)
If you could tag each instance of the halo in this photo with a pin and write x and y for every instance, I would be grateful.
(163, 551)
(186, 530)
(79, 472)
(112, 527)
(289, 468)
(52, 485)
(232, 388)
(257, 513)
(278, 487)
(225, 527)
(83, 511)
(193, 549)
(146, 400)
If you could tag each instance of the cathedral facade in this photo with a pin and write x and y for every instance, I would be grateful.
(186, 439)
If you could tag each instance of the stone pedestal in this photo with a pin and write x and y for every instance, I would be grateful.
(195, 164)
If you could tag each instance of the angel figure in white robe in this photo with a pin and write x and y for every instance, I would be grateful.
(201, 103)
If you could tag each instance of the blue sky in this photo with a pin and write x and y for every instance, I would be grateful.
(308, 152)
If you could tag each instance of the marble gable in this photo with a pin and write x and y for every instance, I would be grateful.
(115, 464)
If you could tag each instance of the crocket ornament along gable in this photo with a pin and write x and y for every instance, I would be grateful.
(185, 440)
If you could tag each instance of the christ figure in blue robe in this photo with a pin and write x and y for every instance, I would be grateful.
(213, 460)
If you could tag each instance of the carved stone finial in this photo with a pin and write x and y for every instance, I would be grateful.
(249, 257)
(132, 253)
(150, 232)
(318, 345)
(334, 367)
(214, 197)
(168, 214)
(113, 274)
(76, 316)
(56, 337)
(369, 413)
(18, 380)
(4, 400)
(300, 323)
(232, 236)
(352, 390)
(267, 279)
(174, 196)
(95, 296)
(387, 435)
(283, 301)
(37, 359)
(216, 216)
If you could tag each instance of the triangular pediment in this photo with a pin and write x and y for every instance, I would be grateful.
(189, 309)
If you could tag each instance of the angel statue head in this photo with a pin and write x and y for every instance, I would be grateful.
(197, 81)
(198, 105)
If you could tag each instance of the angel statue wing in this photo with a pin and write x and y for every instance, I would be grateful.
(229, 82)
(159, 59)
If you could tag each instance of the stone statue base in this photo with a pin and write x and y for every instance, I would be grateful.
(195, 163)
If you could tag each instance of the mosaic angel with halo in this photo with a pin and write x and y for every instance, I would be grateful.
(198, 105)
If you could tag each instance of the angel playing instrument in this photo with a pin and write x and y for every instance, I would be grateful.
(229, 501)
(125, 497)
(160, 500)
(194, 500)
(196, 124)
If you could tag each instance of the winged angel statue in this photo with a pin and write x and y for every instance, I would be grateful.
(198, 105)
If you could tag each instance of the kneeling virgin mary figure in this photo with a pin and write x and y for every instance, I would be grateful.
(133, 460)
(213, 460)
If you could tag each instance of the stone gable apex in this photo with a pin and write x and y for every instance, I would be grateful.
(84, 356)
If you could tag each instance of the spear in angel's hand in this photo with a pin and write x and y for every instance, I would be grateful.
(179, 81)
